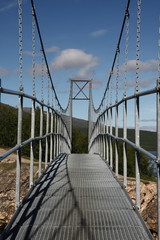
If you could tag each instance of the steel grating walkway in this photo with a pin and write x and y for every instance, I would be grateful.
(77, 198)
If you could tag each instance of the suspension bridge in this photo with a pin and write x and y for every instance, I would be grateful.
(80, 196)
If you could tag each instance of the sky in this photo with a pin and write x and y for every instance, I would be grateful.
(80, 39)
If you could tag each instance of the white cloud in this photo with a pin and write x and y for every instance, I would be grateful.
(142, 82)
(38, 70)
(3, 71)
(84, 73)
(8, 6)
(98, 33)
(28, 53)
(74, 58)
(52, 49)
(96, 83)
(147, 66)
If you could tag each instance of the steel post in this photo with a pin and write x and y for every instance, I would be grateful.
(104, 139)
(55, 130)
(71, 96)
(47, 130)
(0, 87)
(57, 137)
(40, 141)
(137, 154)
(19, 140)
(116, 142)
(158, 156)
(89, 112)
(107, 152)
(32, 144)
(124, 144)
(51, 138)
(110, 141)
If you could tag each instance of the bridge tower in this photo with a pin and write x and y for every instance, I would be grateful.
(80, 95)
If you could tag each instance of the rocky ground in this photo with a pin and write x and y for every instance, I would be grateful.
(7, 193)
(148, 203)
(7, 185)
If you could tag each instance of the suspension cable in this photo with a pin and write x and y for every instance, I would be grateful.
(20, 45)
(114, 60)
(45, 58)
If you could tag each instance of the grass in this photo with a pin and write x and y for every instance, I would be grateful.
(10, 166)
(7, 166)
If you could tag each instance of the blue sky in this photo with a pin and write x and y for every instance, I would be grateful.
(80, 38)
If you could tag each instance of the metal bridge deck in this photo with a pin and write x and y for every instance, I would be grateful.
(77, 198)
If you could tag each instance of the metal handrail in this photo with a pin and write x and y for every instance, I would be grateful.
(59, 137)
(101, 140)
(22, 94)
(17, 147)
(137, 94)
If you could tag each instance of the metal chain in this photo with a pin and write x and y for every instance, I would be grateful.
(52, 98)
(42, 78)
(33, 54)
(126, 52)
(48, 91)
(20, 45)
(107, 99)
(110, 87)
(138, 44)
(117, 73)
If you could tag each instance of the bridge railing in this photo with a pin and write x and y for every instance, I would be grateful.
(51, 136)
(104, 140)
(54, 133)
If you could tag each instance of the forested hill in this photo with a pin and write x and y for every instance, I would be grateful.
(8, 130)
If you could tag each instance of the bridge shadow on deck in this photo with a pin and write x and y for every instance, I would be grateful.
(53, 191)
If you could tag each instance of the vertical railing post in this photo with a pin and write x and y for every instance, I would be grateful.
(40, 141)
(51, 137)
(47, 129)
(104, 138)
(158, 156)
(107, 137)
(137, 154)
(99, 137)
(116, 142)
(19, 152)
(0, 87)
(60, 124)
(32, 144)
(110, 140)
(124, 144)
(71, 97)
(55, 130)
(89, 112)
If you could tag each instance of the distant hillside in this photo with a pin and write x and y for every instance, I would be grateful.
(8, 133)
(147, 138)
